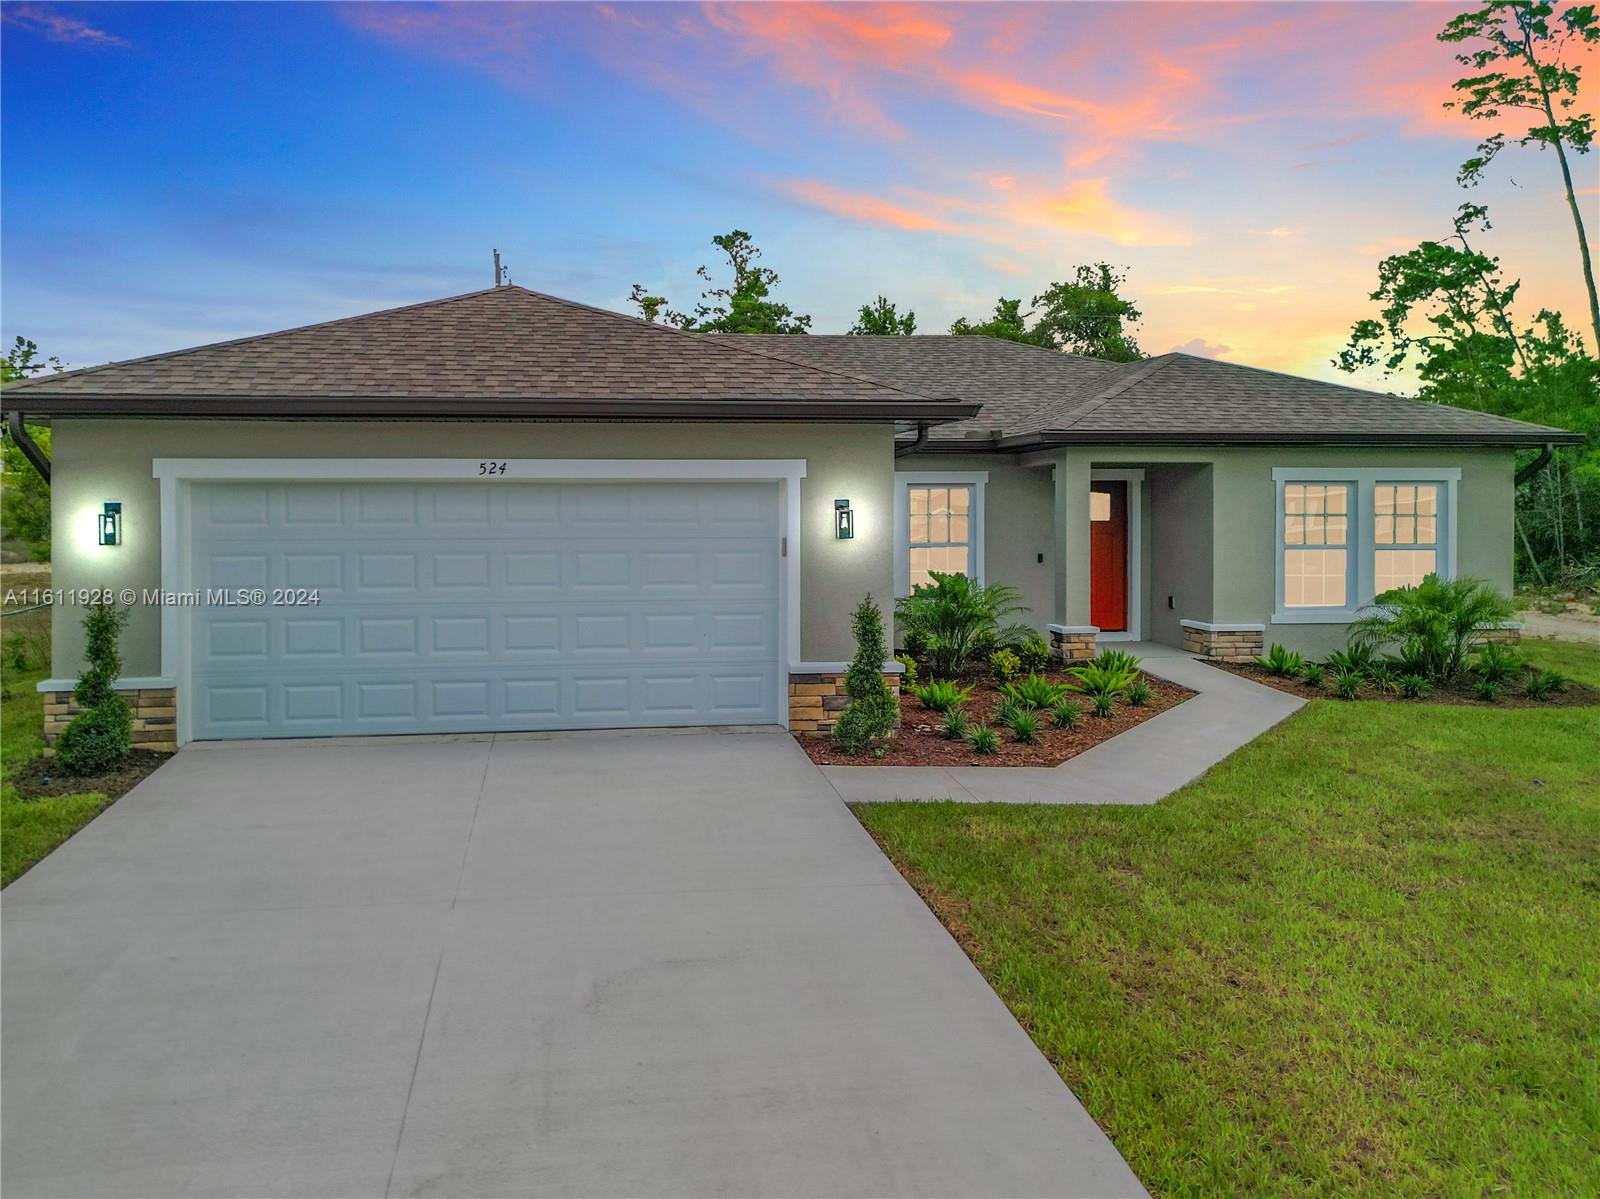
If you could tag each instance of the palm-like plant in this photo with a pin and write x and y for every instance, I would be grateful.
(953, 616)
(1433, 623)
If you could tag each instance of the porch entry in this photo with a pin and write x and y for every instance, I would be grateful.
(1108, 555)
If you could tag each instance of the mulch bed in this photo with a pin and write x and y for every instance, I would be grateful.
(41, 777)
(917, 741)
(1577, 695)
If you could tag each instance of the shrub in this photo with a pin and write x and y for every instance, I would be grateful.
(941, 695)
(1035, 691)
(955, 725)
(1095, 679)
(908, 675)
(1117, 660)
(1412, 686)
(1496, 663)
(1541, 684)
(957, 617)
(915, 644)
(873, 711)
(1025, 727)
(1008, 711)
(1355, 656)
(1281, 662)
(1382, 677)
(1433, 623)
(102, 734)
(1139, 694)
(1005, 665)
(983, 646)
(1035, 654)
(1346, 681)
(1487, 690)
(1104, 703)
(983, 740)
(1065, 714)
(1311, 674)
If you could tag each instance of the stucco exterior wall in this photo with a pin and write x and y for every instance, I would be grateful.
(100, 460)
(1178, 505)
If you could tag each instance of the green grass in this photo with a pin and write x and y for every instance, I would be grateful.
(31, 828)
(1357, 958)
(1576, 660)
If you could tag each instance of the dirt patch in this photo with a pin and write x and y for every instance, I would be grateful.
(1460, 694)
(917, 742)
(43, 777)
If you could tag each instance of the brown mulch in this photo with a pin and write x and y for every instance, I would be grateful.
(41, 777)
(1459, 694)
(917, 741)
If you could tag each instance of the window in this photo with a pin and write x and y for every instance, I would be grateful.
(939, 533)
(1404, 515)
(1349, 534)
(1316, 535)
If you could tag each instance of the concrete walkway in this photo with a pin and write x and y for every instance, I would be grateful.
(583, 965)
(1140, 766)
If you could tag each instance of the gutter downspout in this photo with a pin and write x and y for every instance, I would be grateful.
(1534, 467)
(923, 427)
(30, 448)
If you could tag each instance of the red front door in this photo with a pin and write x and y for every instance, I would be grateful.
(1108, 556)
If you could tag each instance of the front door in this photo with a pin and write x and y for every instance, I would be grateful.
(1108, 556)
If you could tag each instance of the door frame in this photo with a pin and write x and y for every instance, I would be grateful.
(1134, 478)
(177, 475)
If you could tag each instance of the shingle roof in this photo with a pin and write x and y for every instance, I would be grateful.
(1034, 396)
(501, 350)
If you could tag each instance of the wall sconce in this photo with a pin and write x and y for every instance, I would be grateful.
(844, 520)
(111, 524)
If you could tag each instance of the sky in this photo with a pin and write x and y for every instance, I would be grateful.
(175, 174)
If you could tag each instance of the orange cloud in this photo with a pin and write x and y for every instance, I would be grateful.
(869, 210)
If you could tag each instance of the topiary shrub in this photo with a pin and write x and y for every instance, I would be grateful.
(873, 711)
(102, 734)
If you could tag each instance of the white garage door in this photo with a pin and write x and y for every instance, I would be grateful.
(445, 607)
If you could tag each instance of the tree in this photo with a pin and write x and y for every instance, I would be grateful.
(741, 307)
(873, 712)
(1519, 63)
(879, 319)
(1085, 315)
(25, 498)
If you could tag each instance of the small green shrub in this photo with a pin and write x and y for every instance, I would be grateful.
(1496, 663)
(1034, 654)
(1025, 727)
(1346, 681)
(959, 620)
(1005, 665)
(1488, 690)
(908, 675)
(915, 644)
(1117, 660)
(1096, 679)
(1355, 656)
(873, 710)
(1433, 624)
(1008, 711)
(1139, 694)
(17, 653)
(1542, 684)
(1035, 691)
(102, 734)
(983, 740)
(1065, 714)
(1412, 686)
(1311, 674)
(1383, 678)
(1281, 662)
(956, 725)
(1103, 703)
(940, 695)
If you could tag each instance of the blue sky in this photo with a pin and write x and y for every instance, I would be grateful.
(175, 174)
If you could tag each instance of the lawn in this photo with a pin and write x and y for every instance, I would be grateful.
(1357, 958)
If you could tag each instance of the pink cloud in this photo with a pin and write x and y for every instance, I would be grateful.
(57, 27)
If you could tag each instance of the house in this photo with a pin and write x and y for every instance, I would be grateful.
(506, 511)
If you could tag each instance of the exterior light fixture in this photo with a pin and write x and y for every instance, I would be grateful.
(844, 520)
(111, 524)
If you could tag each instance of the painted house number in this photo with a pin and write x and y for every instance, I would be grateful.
(491, 468)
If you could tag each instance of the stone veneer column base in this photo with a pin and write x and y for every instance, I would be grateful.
(1073, 643)
(815, 701)
(1224, 642)
(155, 716)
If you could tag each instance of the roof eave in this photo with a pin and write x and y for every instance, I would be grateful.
(1030, 441)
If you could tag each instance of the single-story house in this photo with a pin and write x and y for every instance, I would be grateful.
(507, 511)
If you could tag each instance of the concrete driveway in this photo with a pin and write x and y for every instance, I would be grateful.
(667, 964)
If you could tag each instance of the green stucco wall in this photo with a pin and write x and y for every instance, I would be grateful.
(100, 460)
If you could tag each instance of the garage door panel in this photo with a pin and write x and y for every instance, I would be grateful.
(449, 607)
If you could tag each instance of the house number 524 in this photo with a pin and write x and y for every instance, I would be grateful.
(491, 468)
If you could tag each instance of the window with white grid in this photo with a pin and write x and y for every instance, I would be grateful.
(1405, 534)
(1316, 545)
(939, 531)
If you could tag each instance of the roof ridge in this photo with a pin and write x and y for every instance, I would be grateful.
(236, 341)
(1105, 395)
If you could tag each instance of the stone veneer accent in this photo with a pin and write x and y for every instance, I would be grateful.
(1072, 644)
(1225, 645)
(815, 700)
(1503, 635)
(155, 716)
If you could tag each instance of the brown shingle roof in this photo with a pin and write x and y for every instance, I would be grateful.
(504, 350)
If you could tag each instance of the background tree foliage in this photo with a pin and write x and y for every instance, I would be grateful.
(1085, 315)
(879, 319)
(741, 306)
(24, 496)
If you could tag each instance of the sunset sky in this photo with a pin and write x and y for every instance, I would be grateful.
(176, 174)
